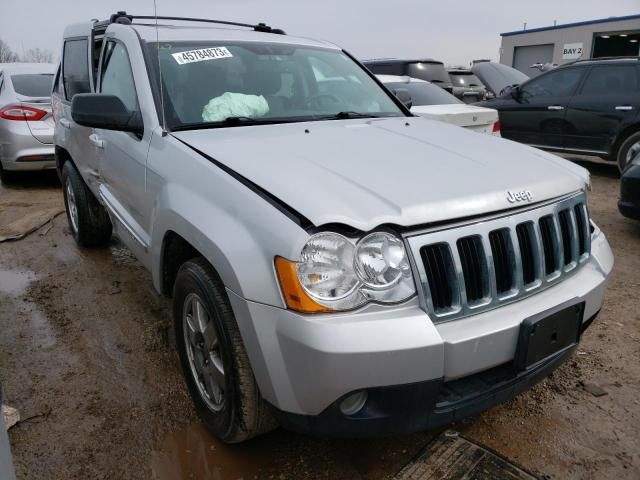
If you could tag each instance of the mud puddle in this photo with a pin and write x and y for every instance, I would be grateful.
(194, 453)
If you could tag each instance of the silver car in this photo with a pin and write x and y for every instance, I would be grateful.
(336, 265)
(26, 122)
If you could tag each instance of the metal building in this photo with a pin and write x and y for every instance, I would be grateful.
(607, 37)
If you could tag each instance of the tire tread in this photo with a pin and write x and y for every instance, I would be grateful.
(94, 224)
(254, 415)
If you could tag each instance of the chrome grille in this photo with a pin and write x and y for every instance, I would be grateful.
(466, 269)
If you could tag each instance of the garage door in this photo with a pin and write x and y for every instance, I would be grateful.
(524, 57)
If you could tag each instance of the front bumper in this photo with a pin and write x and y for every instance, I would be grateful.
(424, 405)
(306, 364)
(629, 202)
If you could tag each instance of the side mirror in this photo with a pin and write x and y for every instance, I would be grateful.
(404, 96)
(99, 110)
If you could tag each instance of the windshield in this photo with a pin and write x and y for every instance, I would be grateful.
(465, 79)
(33, 84)
(205, 84)
(424, 93)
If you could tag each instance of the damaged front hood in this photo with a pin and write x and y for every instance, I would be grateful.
(403, 171)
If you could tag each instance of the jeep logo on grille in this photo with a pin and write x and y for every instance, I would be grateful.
(524, 195)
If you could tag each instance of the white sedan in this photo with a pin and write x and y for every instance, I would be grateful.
(431, 101)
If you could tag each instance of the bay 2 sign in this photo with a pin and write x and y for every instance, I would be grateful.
(572, 51)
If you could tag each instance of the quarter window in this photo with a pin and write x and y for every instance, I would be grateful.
(558, 83)
(75, 68)
(117, 77)
(609, 79)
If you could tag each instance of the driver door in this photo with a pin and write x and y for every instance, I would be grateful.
(123, 161)
(536, 116)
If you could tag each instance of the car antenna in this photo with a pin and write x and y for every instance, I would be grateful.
(155, 13)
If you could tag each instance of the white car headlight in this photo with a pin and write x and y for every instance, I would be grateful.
(380, 260)
(341, 274)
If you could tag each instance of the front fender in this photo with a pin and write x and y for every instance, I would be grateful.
(237, 232)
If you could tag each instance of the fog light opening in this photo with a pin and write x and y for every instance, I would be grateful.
(353, 403)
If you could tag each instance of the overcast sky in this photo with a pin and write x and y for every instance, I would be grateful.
(452, 31)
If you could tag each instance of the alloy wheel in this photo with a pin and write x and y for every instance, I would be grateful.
(203, 352)
(71, 204)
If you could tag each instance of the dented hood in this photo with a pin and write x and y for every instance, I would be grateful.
(403, 171)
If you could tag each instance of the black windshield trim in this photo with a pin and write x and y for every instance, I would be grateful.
(228, 123)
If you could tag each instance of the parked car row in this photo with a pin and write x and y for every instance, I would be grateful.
(337, 264)
(587, 107)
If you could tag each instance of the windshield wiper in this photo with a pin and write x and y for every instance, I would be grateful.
(231, 122)
(346, 115)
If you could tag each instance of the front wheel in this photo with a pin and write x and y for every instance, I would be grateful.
(213, 357)
(629, 149)
(88, 220)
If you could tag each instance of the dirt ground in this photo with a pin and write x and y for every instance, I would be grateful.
(86, 355)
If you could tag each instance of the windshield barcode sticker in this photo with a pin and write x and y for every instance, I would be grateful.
(201, 55)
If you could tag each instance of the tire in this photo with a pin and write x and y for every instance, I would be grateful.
(237, 412)
(6, 176)
(627, 150)
(89, 222)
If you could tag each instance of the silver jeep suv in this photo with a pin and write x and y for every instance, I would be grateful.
(337, 265)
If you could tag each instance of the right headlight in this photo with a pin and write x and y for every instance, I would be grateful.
(335, 273)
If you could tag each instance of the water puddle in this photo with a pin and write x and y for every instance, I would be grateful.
(42, 332)
(13, 283)
(193, 453)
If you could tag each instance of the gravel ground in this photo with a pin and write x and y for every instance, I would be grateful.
(86, 355)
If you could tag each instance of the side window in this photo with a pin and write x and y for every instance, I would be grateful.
(117, 77)
(612, 79)
(558, 83)
(75, 68)
(1, 81)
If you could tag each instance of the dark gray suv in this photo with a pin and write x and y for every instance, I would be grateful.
(425, 69)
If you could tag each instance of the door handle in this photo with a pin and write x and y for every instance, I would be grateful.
(65, 123)
(96, 140)
(555, 107)
(624, 108)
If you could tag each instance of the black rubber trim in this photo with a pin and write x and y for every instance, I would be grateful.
(629, 200)
(425, 405)
(285, 209)
(629, 210)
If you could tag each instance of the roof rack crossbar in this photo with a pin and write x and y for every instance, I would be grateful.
(260, 27)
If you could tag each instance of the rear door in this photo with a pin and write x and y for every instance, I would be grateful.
(607, 101)
(76, 78)
(536, 116)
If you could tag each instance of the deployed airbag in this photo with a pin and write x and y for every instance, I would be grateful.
(234, 105)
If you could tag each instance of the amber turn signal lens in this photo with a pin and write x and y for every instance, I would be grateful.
(294, 295)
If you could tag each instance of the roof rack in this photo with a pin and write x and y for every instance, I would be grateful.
(124, 18)
(624, 57)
